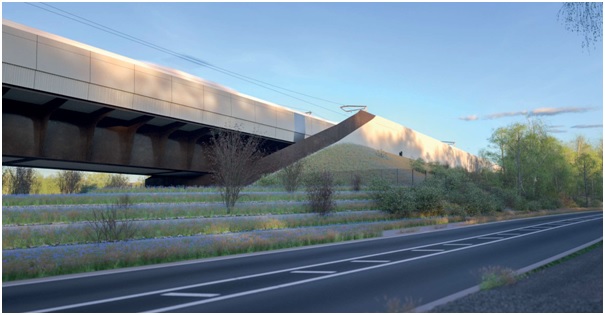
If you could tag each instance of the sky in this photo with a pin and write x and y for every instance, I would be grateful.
(453, 71)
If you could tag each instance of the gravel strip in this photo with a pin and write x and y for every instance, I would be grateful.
(574, 286)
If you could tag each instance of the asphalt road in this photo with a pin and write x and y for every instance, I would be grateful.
(361, 276)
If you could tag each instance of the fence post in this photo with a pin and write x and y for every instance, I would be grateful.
(412, 177)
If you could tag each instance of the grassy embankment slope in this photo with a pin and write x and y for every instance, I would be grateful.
(346, 159)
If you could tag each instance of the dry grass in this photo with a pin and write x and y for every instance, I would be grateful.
(395, 305)
(353, 157)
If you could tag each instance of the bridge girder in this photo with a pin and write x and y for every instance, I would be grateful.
(51, 131)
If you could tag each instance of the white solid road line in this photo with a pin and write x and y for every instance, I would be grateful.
(119, 298)
(371, 261)
(427, 250)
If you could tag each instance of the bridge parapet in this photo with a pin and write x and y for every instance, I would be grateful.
(40, 61)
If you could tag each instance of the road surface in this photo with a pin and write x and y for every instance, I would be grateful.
(359, 276)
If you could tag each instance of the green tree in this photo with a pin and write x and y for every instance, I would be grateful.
(588, 162)
(5, 181)
(117, 181)
(69, 181)
(22, 180)
(536, 165)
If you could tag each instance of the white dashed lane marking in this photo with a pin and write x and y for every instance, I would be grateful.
(195, 295)
(314, 271)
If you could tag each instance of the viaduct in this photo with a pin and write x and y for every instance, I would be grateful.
(66, 105)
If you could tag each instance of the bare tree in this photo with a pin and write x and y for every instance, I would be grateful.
(69, 181)
(585, 18)
(233, 157)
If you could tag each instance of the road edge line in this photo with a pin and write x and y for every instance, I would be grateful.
(460, 294)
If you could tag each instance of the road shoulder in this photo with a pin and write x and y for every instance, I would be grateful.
(574, 286)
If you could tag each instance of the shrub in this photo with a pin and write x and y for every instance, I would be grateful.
(112, 223)
(320, 192)
(429, 199)
(88, 188)
(533, 205)
(268, 181)
(291, 176)
(508, 197)
(419, 165)
(478, 201)
(396, 200)
(551, 203)
(356, 182)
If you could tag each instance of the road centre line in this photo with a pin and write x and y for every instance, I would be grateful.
(371, 261)
(196, 295)
(313, 271)
(185, 305)
(132, 296)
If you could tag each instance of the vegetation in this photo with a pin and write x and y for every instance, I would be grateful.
(542, 172)
(112, 223)
(117, 181)
(20, 180)
(69, 182)
(497, 276)
(356, 182)
(536, 171)
(320, 192)
(177, 223)
(448, 191)
(585, 18)
(233, 159)
(291, 176)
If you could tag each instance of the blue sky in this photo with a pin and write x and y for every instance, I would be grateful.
(453, 71)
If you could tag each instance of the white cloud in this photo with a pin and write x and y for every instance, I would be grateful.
(469, 118)
(587, 126)
(549, 111)
(542, 111)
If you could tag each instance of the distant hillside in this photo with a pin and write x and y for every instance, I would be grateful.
(353, 157)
